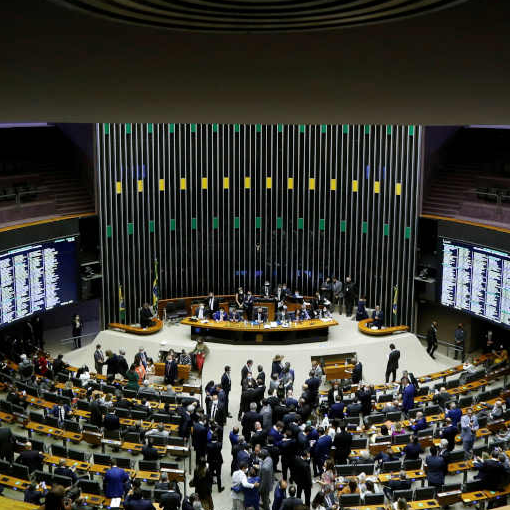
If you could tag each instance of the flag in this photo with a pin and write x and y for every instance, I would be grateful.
(122, 306)
(155, 288)
(395, 297)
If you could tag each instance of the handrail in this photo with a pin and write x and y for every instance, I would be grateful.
(442, 342)
(67, 340)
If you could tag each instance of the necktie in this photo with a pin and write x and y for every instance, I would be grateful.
(213, 411)
(61, 413)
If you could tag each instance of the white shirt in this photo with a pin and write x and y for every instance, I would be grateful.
(200, 314)
(239, 477)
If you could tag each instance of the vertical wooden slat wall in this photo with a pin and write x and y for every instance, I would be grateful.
(226, 205)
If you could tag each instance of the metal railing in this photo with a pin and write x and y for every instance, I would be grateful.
(448, 346)
(72, 338)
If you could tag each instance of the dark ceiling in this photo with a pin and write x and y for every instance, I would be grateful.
(447, 67)
(236, 16)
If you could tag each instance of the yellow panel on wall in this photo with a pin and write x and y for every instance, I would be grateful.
(204, 182)
(183, 182)
(140, 186)
(377, 186)
(269, 182)
(226, 182)
(118, 187)
(162, 185)
(247, 182)
(290, 183)
(333, 185)
(354, 186)
(398, 188)
(311, 183)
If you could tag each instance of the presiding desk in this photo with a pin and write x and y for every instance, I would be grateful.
(157, 325)
(364, 327)
(314, 330)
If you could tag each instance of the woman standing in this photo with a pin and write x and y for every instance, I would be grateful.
(77, 327)
(252, 496)
(132, 378)
(202, 482)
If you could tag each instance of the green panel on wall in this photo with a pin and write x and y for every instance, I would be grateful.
(128, 128)
(343, 226)
(386, 229)
(193, 128)
(106, 128)
(172, 224)
(215, 128)
(367, 129)
(151, 226)
(345, 129)
(302, 128)
(279, 222)
(130, 228)
(171, 128)
(280, 128)
(300, 223)
(389, 129)
(108, 231)
(258, 222)
(236, 128)
(215, 222)
(408, 233)
(193, 223)
(259, 128)
(236, 222)
(410, 130)
(364, 227)
(324, 128)
(322, 224)
(150, 127)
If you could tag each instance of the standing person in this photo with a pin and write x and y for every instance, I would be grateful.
(226, 384)
(7, 443)
(435, 468)
(468, 427)
(202, 482)
(146, 316)
(459, 342)
(215, 459)
(280, 493)
(38, 328)
(240, 482)
(349, 295)
(432, 339)
(302, 475)
(392, 365)
(266, 478)
(407, 395)
(337, 292)
(77, 328)
(343, 445)
(114, 481)
(122, 364)
(170, 370)
(252, 495)
(99, 359)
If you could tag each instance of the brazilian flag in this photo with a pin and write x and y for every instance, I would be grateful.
(155, 288)
(395, 298)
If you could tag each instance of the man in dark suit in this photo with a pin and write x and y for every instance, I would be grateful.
(365, 397)
(122, 364)
(33, 459)
(246, 370)
(259, 435)
(401, 484)
(302, 475)
(378, 316)
(350, 292)
(413, 450)
(291, 502)
(61, 412)
(336, 411)
(146, 316)
(343, 444)
(432, 339)
(260, 316)
(170, 370)
(149, 452)
(199, 439)
(357, 372)
(96, 415)
(63, 470)
(449, 433)
(391, 367)
(226, 385)
(492, 472)
(435, 468)
(215, 459)
(111, 421)
(7, 444)
(114, 481)
(213, 304)
(320, 452)
(216, 411)
(249, 419)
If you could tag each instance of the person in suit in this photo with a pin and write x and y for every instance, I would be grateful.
(357, 371)
(33, 494)
(291, 502)
(413, 450)
(111, 421)
(149, 452)
(392, 364)
(350, 292)
(248, 305)
(235, 316)
(212, 304)
(407, 396)
(114, 481)
(201, 312)
(247, 369)
(320, 452)
(468, 427)
(260, 316)
(141, 357)
(217, 411)
(137, 502)
(266, 290)
(459, 336)
(76, 328)
(280, 493)
(61, 412)
(63, 470)
(419, 423)
(33, 459)
(435, 467)
(122, 364)
(449, 432)
(99, 359)
(266, 478)
(343, 444)
(378, 316)
(146, 316)
(7, 444)
(400, 484)
(215, 459)
(199, 439)
(248, 421)
(220, 315)
(96, 414)
(492, 472)
(226, 384)
(170, 370)
(455, 414)
(302, 475)
(282, 315)
(361, 312)
(279, 295)
(432, 339)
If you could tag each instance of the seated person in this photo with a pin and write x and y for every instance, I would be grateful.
(235, 315)
(266, 290)
(400, 484)
(419, 423)
(297, 294)
(220, 315)
(324, 313)
(361, 312)
(146, 315)
(201, 312)
(378, 317)
(282, 315)
(497, 410)
(260, 316)
(305, 314)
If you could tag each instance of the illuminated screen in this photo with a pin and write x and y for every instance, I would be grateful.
(476, 279)
(36, 278)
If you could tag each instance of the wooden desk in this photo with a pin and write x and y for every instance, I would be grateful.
(417, 474)
(473, 497)
(54, 460)
(147, 476)
(183, 371)
(33, 426)
(157, 325)
(336, 371)
(14, 504)
(238, 332)
(363, 327)
(6, 417)
(422, 505)
(16, 484)
(449, 498)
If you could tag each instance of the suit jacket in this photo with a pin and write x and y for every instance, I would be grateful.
(248, 420)
(435, 469)
(302, 473)
(357, 373)
(449, 434)
(313, 384)
(170, 500)
(342, 442)
(244, 372)
(260, 317)
(336, 411)
(122, 365)
(111, 422)
(279, 496)
(217, 316)
(408, 397)
(468, 432)
(150, 453)
(32, 459)
(322, 447)
(113, 482)
(199, 438)
(214, 456)
(393, 358)
(65, 471)
(226, 383)
(421, 424)
(266, 475)
(212, 304)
